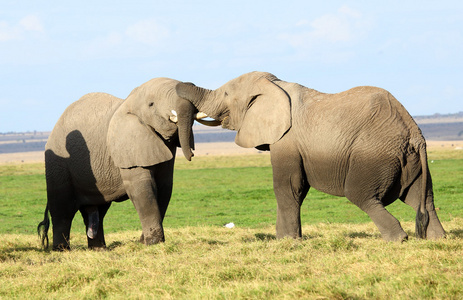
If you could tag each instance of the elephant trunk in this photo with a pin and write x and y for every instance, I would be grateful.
(195, 95)
(186, 111)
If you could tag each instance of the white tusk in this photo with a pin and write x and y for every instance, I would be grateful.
(173, 119)
(200, 115)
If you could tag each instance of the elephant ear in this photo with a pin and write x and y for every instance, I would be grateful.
(267, 118)
(133, 144)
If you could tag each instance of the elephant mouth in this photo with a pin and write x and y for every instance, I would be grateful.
(226, 123)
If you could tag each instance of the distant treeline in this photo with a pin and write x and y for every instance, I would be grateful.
(439, 116)
(443, 131)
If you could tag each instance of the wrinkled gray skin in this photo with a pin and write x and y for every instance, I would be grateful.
(106, 149)
(361, 144)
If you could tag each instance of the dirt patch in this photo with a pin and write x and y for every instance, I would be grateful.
(22, 157)
(434, 145)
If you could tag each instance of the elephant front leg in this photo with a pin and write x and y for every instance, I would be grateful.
(290, 187)
(142, 190)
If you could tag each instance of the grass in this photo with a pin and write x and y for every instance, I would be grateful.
(341, 255)
(332, 261)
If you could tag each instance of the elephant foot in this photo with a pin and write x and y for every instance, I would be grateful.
(61, 247)
(96, 244)
(433, 234)
(435, 230)
(156, 236)
(402, 237)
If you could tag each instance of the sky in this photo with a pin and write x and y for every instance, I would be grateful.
(54, 52)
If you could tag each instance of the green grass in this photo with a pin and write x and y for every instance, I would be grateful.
(212, 191)
(341, 255)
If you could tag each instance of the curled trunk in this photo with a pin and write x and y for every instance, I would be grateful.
(194, 94)
(186, 111)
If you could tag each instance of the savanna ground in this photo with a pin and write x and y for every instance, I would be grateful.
(341, 255)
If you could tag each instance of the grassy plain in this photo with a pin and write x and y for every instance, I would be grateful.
(341, 255)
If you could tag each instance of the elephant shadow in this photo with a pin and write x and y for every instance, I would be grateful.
(79, 160)
(458, 233)
(360, 234)
(260, 237)
(13, 253)
(70, 177)
(76, 169)
(270, 237)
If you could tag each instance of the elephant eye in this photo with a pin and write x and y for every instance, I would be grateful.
(151, 104)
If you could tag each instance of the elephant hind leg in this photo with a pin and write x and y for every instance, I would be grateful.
(388, 225)
(61, 199)
(413, 196)
(373, 185)
(61, 216)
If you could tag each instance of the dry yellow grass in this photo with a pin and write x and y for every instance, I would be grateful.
(332, 261)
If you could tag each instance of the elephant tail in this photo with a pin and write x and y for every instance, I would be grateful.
(42, 229)
(422, 215)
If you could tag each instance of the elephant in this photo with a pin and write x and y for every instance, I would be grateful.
(105, 149)
(361, 144)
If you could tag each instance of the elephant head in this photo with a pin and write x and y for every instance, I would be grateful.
(150, 117)
(252, 104)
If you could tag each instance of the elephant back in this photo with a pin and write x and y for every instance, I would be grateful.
(78, 142)
(90, 116)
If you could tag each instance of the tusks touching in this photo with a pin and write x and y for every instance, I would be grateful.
(198, 117)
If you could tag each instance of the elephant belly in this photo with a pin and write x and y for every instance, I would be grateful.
(98, 184)
(90, 194)
(326, 172)
(327, 182)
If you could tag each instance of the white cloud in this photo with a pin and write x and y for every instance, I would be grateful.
(330, 32)
(332, 28)
(31, 23)
(147, 32)
(103, 45)
(131, 41)
(19, 31)
(8, 32)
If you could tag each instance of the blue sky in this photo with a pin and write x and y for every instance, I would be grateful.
(54, 52)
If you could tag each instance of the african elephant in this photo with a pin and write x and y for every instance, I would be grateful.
(361, 144)
(105, 149)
